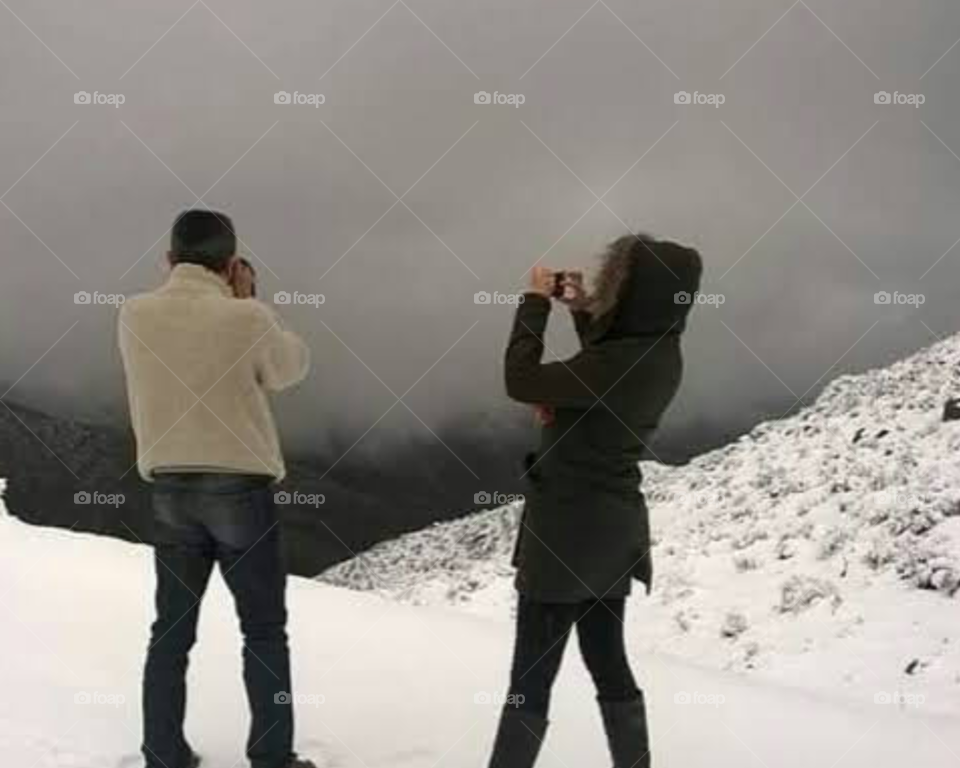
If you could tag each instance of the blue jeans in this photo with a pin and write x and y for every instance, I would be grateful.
(203, 519)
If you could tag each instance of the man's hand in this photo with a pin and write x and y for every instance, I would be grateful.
(541, 281)
(242, 280)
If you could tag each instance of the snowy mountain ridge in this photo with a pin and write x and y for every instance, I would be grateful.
(817, 540)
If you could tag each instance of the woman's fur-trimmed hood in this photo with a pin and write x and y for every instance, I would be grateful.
(645, 287)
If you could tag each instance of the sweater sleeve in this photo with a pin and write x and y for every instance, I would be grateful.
(282, 359)
(575, 383)
(124, 342)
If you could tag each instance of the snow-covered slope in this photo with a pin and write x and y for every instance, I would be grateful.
(382, 684)
(822, 549)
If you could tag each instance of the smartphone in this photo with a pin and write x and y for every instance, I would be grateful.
(558, 287)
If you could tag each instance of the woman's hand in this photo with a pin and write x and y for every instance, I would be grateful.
(541, 281)
(545, 415)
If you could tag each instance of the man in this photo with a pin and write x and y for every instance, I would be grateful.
(200, 356)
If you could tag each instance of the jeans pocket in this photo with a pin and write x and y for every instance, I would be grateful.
(239, 520)
(170, 508)
(173, 522)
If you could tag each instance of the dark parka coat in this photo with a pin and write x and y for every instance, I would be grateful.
(585, 531)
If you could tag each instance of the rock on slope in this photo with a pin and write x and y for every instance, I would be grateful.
(50, 457)
(829, 539)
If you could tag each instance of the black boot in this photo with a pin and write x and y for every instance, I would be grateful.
(519, 738)
(625, 723)
(292, 761)
(299, 762)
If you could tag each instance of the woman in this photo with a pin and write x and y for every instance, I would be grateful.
(585, 535)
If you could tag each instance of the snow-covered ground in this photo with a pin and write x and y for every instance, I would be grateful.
(819, 551)
(383, 684)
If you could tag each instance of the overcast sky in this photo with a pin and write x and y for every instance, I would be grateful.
(487, 189)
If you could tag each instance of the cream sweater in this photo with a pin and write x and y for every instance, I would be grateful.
(198, 366)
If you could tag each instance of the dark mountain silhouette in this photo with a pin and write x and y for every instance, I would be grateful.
(48, 459)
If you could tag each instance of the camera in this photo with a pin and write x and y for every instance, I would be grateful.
(558, 287)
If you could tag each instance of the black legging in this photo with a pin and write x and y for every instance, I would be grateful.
(542, 632)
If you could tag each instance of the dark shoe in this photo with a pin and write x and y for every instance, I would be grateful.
(519, 738)
(625, 723)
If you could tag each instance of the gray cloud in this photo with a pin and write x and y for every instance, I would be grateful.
(496, 194)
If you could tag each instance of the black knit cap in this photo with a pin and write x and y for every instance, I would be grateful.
(203, 237)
